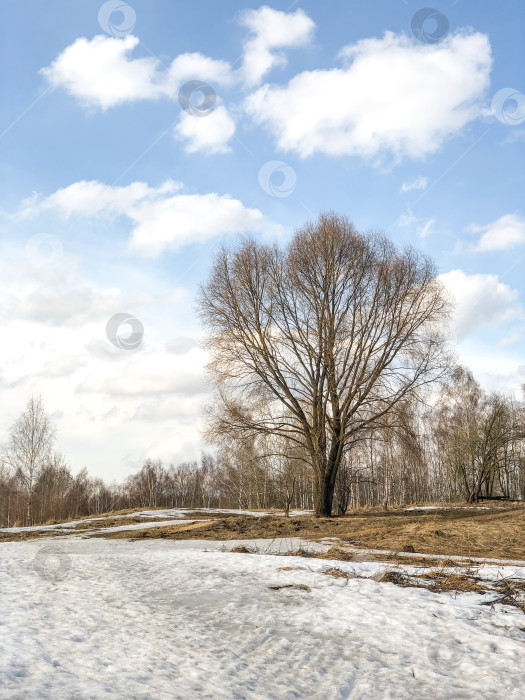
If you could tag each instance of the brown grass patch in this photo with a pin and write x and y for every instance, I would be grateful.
(469, 533)
(117, 522)
(437, 581)
(391, 576)
(497, 534)
(31, 535)
(513, 593)
(440, 581)
(296, 586)
(336, 573)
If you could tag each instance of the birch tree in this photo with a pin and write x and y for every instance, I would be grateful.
(29, 448)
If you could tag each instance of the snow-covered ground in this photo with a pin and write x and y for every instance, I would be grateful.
(407, 510)
(173, 513)
(95, 618)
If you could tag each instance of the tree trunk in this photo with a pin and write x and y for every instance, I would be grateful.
(30, 510)
(325, 497)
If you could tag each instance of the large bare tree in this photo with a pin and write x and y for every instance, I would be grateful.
(318, 340)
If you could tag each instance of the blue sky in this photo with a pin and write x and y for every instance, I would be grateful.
(114, 198)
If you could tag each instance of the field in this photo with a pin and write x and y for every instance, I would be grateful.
(236, 604)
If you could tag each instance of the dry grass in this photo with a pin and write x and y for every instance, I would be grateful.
(116, 522)
(498, 534)
(336, 573)
(467, 532)
(392, 576)
(81, 527)
(31, 535)
(296, 586)
(456, 581)
(513, 593)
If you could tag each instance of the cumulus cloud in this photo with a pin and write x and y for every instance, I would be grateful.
(210, 133)
(271, 30)
(420, 183)
(506, 232)
(152, 374)
(73, 303)
(91, 198)
(100, 72)
(481, 300)
(392, 95)
(170, 223)
(162, 217)
(60, 305)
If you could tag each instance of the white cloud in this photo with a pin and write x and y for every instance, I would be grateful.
(163, 218)
(426, 229)
(100, 395)
(101, 73)
(392, 96)
(92, 198)
(210, 133)
(59, 305)
(71, 302)
(481, 300)
(196, 66)
(423, 227)
(172, 222)
(420, 183)
(181, 344)
(271, 30)
(506, 232)
(494, 368)
(152, 374)
(124, 406)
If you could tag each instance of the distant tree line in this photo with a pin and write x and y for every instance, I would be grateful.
(467, 445)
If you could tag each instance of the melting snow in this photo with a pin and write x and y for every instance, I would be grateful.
(94, 618)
